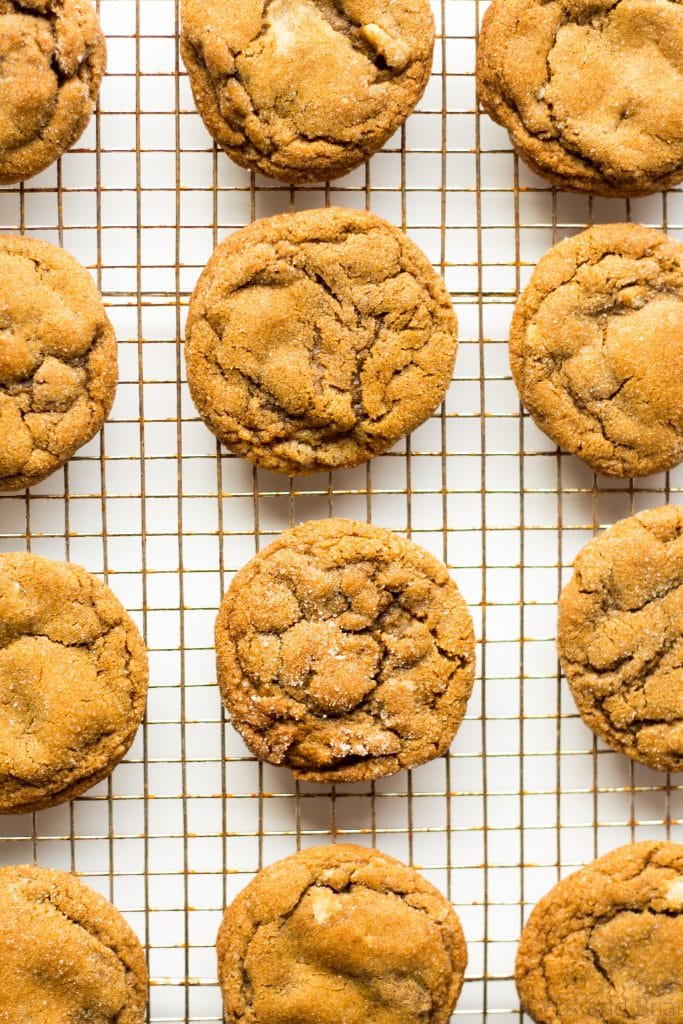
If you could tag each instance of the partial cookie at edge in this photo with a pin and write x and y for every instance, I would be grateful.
(73, 682)
(66, 950)
(596, 348)
(58, 360)
(306, 91)
(620, 636)
(600, 946)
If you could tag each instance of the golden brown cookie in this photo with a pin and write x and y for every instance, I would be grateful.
(605, 946)
(596, 348)
(58, 360)
(590, 90)
(345, 653)
(73, 682)
(306, 90)
(316, 340)
(340, 933)
(66, 955)
(620, 636)
(52, 59)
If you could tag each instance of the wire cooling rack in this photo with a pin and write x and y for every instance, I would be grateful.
(166, 518)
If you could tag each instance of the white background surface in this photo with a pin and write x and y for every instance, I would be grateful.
(166, 519)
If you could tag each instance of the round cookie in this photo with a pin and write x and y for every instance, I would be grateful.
(588, 89)
(604, 946)
(66, 955)
(316, 340)
(306, 90)
(340, 933)
(52, 59)
(620, 636)
(596, 348)
(73, 682)
(58, 360)
(345, 653)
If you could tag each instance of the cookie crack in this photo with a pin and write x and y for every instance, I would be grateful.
(586, 17)
(381, 631)
(350, 885)
(47, 898)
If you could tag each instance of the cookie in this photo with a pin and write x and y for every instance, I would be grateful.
(620, 636)
(316, 340)
(596, 348)
(306, 90)
(604, 946)
(73, 682)
(52, 59)
(58, 360)
(345, 653)
(589, 90)
(66, 955)
(340, 933)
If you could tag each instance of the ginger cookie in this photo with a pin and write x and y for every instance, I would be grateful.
(620, 636)
(58, 360)
(596, 348)
(605, 946)
(589, 90)
(340, 933)
(306, 90)
(316, 340)
(52, 59)
(66, 955)
(345, 653)
(73, 682)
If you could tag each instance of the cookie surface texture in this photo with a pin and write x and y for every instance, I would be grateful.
(306, 90)
(605, 946)
(58, 360)
(596, 348)
(620, 636)
(340, 933)
(73, 682)
(345, 653)
(52, 59)
(316, 340)
(588, 89)
(66, 955)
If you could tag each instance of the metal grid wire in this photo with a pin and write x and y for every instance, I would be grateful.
(166, 518)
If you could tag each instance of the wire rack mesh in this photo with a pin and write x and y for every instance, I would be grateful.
(166, 517)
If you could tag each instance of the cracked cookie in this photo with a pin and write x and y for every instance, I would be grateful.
(66, 954)
(605, 946)
(73, 682)
(316, 340)
(58, 360)
(589, 90)
(52, 59)
(345, 653)
(306, 90)
(340, 933)
(620, 636)
(596, 348)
